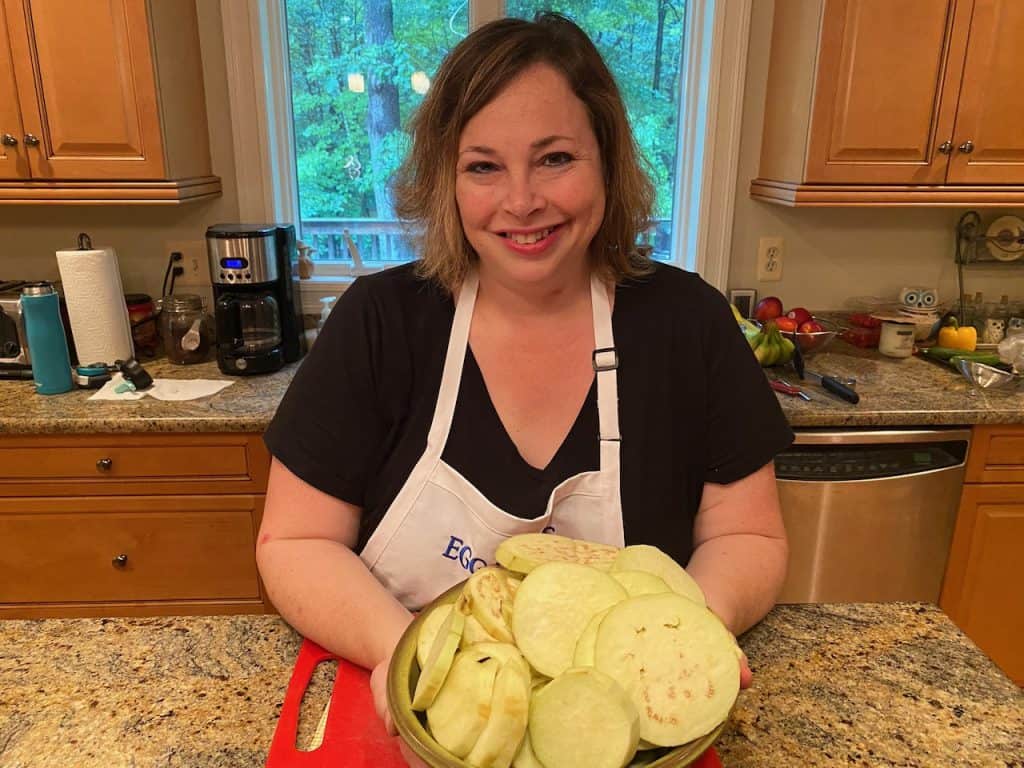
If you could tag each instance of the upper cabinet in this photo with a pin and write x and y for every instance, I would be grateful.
(102, 101)
(874, 102)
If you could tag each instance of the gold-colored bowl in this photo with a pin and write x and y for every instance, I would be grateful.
(405, 671)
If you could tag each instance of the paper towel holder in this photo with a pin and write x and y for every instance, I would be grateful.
(84, 242)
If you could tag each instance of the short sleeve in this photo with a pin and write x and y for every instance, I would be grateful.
(746, 425)
(330, 424)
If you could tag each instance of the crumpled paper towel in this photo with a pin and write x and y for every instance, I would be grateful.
(163, 389)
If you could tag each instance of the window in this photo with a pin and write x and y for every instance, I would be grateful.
(359, 67)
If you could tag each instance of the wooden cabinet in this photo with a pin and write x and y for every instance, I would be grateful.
(983, 590)
(102, 102)
(871, 102)
(102, 525)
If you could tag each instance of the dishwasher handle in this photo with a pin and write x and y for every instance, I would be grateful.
(880, 436)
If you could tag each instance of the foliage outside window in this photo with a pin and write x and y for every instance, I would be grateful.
(360, 67)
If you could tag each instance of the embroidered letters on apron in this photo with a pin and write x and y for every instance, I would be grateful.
(440, 528)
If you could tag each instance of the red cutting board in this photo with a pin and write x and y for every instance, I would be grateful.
(354, 736)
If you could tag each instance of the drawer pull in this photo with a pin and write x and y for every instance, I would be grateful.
(104, 465)
(121, 561)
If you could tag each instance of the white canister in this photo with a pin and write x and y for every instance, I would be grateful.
(897, 339)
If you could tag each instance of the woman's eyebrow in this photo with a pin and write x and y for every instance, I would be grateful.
(538, 144)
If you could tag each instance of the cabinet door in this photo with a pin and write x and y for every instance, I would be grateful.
(982, 591)
(12, 159)
(991, 110)
(85, 77)
(885, 93)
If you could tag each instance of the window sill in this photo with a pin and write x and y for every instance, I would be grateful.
(313, 289)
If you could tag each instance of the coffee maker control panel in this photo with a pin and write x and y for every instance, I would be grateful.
(243, 258)
(234, 269)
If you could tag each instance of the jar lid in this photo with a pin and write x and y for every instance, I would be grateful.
(180, 302)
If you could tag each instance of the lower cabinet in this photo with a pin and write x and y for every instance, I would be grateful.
(983, 590)
(133, 525)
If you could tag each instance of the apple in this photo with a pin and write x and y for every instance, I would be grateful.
(785, 324)
(811, 326)
(768, 308)
(799, 314)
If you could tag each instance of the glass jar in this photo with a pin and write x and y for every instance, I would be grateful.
(184, 328)
(142, 316)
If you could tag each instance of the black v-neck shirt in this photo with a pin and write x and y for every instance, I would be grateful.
(694, 406)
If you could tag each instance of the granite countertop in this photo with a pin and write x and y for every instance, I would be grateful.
(245, 406)
(907, 391)
(872, 685)
(894, 392)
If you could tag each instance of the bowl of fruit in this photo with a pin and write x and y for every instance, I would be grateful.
(811, 334)
(537, 662)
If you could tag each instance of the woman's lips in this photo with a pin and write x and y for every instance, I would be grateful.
(532, 248)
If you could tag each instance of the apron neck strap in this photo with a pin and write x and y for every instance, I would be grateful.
(606, 362)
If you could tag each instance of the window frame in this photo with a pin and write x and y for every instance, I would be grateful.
(714, 66)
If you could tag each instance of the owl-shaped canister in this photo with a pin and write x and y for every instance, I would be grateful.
(995, 330)
(917, 298)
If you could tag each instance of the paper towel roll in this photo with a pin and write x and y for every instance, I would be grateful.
(92, 288)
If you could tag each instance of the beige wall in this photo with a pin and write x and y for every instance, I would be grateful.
(140, 234)
(832, 254)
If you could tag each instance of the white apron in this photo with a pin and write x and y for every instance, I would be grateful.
(440, 528)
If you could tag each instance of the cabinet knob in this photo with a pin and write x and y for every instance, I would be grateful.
(104, 465)
(8, 141)
(31, 140)
(967, 147)
(121, 561)
(946, 147)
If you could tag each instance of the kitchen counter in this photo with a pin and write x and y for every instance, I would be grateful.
(872, 685)
(894, 392)
(245, 406)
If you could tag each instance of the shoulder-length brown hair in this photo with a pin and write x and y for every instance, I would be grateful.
(471, 76)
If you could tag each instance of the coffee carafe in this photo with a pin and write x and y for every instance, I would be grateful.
(256, 304)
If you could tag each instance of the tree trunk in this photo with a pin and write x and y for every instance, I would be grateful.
(662, 10)
(382, 116)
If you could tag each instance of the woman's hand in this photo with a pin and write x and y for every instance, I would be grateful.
(746, 676)
(378, 686)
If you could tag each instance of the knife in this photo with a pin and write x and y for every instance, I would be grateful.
(836, 387)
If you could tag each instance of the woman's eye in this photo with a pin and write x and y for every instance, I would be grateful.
(481, 166)
(555, 159)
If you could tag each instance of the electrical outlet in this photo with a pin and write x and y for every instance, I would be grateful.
(194, 261)
(769, 259)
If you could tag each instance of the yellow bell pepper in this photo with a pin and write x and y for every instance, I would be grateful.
(955, 337)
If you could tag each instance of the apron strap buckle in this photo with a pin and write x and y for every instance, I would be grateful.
(606, 365)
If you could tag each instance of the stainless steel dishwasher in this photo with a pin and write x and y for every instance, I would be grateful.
(870, 513)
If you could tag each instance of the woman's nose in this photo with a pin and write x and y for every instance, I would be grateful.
(522, 195)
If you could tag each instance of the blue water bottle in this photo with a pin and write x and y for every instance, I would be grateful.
(47, 344)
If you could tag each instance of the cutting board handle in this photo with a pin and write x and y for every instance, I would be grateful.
(354, 736)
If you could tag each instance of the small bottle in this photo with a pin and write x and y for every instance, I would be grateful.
(47, 344)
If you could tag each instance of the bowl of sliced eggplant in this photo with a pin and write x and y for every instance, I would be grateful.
(567, 654)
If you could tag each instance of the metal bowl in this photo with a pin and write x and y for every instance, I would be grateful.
(404, 672)
(812, 343)
(987, 376)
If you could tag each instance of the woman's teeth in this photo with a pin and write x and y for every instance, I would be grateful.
(529, 238)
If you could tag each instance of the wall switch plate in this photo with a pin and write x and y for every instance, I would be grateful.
(194, 261)
(769, 259)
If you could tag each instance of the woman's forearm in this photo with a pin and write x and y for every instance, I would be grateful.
(325, 591)
(741, 575)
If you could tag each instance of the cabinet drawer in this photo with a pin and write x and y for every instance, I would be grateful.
(114, 464)
(114, 549)
(997, 455)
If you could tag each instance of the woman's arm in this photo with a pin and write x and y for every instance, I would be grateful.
(740, 548)
(315, 579)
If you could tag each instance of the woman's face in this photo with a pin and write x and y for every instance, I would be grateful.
(529, 183)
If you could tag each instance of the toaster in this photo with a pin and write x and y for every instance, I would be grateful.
(13, 344)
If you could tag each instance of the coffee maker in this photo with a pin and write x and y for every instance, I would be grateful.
(253, 268)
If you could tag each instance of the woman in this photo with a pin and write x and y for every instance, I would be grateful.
(531, 372)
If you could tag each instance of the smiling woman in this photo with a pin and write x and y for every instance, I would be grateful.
(533, 372)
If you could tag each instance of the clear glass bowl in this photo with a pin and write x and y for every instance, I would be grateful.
(812, 343)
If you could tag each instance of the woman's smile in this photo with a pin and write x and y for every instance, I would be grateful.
(533, 241)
